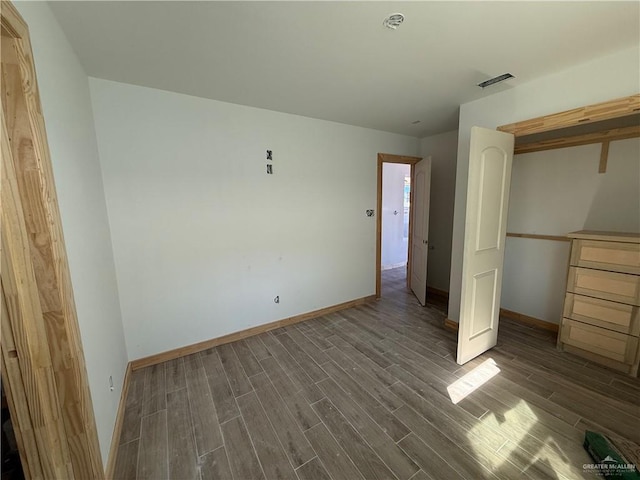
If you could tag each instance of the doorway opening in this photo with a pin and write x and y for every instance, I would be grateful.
(397, 212)
(396, 204)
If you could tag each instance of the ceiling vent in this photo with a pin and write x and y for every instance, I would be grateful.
(494, 80)
(393, 21)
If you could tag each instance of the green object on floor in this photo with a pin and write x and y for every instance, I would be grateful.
(609, 462)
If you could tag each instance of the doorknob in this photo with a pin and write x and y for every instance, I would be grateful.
(395, 212)
(426, 242)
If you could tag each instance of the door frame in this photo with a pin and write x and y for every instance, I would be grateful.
(390, 158)
(43, 365)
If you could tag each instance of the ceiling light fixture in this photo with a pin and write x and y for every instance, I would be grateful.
(494, 80)
(393, 21)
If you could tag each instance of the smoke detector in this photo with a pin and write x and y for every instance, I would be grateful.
(393, 21)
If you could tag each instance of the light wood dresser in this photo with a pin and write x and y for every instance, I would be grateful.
(600, 319)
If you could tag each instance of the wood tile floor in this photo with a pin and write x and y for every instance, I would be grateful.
(363, 394)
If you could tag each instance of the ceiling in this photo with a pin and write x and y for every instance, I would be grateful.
(335, 60)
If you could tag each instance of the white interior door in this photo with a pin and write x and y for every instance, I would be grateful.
(490, 159)
(420, 225)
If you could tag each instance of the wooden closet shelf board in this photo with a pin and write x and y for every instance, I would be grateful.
(620, 107)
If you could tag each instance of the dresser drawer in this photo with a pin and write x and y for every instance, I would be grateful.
(616, 316)
(619, 287)
(612, 256)
(616, 346)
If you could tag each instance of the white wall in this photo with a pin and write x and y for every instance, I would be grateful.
(66, 104)
(443, 149)
(394, 243)
(204, 239)
(559, 191)
(606, 78)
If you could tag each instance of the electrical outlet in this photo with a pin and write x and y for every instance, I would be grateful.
(370, 213)
(277, 299)
(269, 154)
(111, 383)
(269, 169)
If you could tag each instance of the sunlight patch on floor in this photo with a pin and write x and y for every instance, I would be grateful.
(514, 424)
(471, 381)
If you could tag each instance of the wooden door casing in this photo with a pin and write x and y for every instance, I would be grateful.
(42, 358)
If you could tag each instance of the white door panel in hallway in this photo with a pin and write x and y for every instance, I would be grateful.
(419, 241)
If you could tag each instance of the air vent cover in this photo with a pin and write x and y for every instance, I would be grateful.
(494, 80)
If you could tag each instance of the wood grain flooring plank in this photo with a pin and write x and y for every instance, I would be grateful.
(437, 379)
(442, 413)
(126, 461)
(632, 385)
(374, 387)
(608, 395)
(293, 369)
(183, 458)
(365, 349)
(133, 407)
(221, 393)
(420, 475)
(317, 355)
(257, 347)
(265, 441)
(363, 457)
(479, 438)
(363, 336)
(215, 465)
(621, 423)
(517, 374)
(536, 401)
(318, 326)
(242, 456)
(428, 459)
(364, 362)
(385, 419)
(238, 380)
(365, 321)
(404, 335)
(332, 456)
(546, 424)
(293, 441)
(310, 367)
(530, 434)
(174, 375)
(291, 395)
(399, 463)
(313, 470)
(317, 339)
(154, 390)
(203, 413)
(152, 457)
(539, 466)
(439, 358)
(464, 463)
(246, 357)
